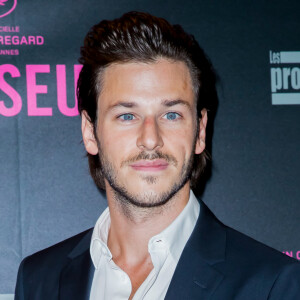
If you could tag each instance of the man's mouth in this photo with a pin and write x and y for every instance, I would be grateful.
(150, 165)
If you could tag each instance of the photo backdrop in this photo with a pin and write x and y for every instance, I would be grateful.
(46, 193)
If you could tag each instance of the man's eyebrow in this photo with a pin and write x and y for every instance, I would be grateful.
(122, 104)
(170, 103)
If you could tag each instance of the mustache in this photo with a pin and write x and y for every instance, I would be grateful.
(151, 156)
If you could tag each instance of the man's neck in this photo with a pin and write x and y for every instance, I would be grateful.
(130, 232)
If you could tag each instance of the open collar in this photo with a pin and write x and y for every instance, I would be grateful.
(195, 276)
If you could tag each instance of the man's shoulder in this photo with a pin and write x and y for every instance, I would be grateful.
(232, 265)
(55, 256)
(40, 273)
(241, 247)
(236, 249)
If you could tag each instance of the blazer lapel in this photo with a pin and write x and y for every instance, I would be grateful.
(195, 276)
(76, 277)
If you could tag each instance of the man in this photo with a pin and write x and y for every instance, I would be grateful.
(144, 91)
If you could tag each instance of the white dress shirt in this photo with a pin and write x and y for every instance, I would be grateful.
(112, 283)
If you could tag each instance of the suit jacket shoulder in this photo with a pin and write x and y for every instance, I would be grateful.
(40, 274)
(223, 263)
(240, 247)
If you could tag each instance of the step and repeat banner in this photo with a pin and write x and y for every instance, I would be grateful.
(46, 193)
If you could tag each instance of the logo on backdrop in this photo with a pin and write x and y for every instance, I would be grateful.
(285, 77)
(10, 36)
(294, 254)
(12, 41)
(7, 7)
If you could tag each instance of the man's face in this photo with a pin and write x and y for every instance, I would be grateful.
(146, 130)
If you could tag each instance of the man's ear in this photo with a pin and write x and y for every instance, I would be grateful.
(88, 135)
(200, 144)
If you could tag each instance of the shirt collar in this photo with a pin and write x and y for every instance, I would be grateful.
(176, 235)
(98, 246)
(171, 240)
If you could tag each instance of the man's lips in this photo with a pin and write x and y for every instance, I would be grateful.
(150, 165)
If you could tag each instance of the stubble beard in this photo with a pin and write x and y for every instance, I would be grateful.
(148, 200)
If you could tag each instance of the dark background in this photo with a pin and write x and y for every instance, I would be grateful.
(46, 193)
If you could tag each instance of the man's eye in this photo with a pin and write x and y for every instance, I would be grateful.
(171, 116)
(127, 117)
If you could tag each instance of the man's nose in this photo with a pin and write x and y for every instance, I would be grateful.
(149, 137)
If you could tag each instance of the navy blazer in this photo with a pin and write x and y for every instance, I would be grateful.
(217, 263)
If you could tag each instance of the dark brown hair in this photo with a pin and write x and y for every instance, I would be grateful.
(141, 37)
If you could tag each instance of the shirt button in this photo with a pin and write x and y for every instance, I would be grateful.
(159, 244)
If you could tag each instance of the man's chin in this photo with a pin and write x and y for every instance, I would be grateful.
(150, 185)
(148, 200)
(147, 195)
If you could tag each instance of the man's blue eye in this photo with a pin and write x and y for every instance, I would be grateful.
(127, 117)
(172, 116)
